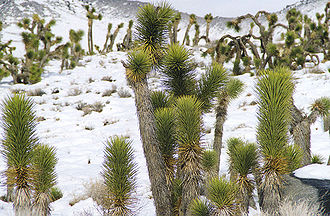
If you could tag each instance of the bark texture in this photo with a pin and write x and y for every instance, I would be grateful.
(221, 115)
(155, 163)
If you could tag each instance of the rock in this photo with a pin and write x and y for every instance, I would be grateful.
(314, 191)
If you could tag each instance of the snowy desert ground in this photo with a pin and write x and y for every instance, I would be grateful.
(79, 139)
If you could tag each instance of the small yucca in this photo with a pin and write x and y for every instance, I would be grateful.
(44, 178)
(160, 99)
(223, 196)
(200, 208)
(243, 159)
(165, 131)
(18, 144)
(119, 173)
(274, 89)
(209, 161)
(188, 134)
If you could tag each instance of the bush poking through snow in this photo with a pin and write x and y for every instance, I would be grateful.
(119, 173)
(56, 193)
(36, 92)
(74, 92)
(317, 159)
(124, 93)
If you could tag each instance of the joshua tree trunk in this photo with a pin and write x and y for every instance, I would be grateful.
(41, 207)
(187, 32)
(155, 163)
(207, 32)
(175, 32)
(22, 202)
(106, 40)
(221, 114)
(301, 132)
(112, 40)
(90, 37)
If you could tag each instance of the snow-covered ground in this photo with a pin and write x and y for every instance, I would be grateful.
(79, 139)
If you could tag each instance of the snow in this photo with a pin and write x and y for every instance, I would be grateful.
(314, 171)
(80, 139)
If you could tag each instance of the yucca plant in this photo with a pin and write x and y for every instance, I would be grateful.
(192, 20)
(209, 161)
(243, 159)
(165, 131)
(231, 90)
(18, 144)
(200, 207)
(274, 89)
(160, 99)
(188, 135)
(152, 28)
(222, 195)
(138, 65)
(43, 178)
(317, 159)
(119, 173)
(210, 84)
(178, 71)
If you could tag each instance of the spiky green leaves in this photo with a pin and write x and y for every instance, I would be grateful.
(119, 173)
(44, 162)
(233, 88)
(242, 156)
(152, 28)
(200, 208)
(178, 71)
(160, 99)
(18, 123)
(165, 132)
(209, 161)
(210, 84)
(274, 89)
(223, 196)
(139, 64)
(44, 178)
(322, 105)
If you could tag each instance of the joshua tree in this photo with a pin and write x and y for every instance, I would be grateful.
(192, 20)
(127, 41)
(44, 178)
(243, 159)
(265, 36)
(119, 173)
(152, 29)
(196, 38)
(137, 67)
(188, 134)
(231, 90)
(222, 199)
(113, 37)
(274, 89)
(208, 18)
(300, 125)
(18, 145)
(107, 37)
(91, 16)
(176, 20)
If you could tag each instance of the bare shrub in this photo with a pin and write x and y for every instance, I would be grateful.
(36, 92)
(109, 92)
(316, 70)
(124, 93)
(293, 208)
(90, 80)
(107, 78)
(97, 107)
(17, 91)
(81, 105)
(74, 92)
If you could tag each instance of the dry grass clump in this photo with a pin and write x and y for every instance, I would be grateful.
(107, 78)
(89, 108)
(36, 92)
(124, 93)
(292, 208)
(74, 92)
(109, 92)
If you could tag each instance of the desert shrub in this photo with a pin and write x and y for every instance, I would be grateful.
(56, 193)
(124, 93)
(36, 92)
(74, 92)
